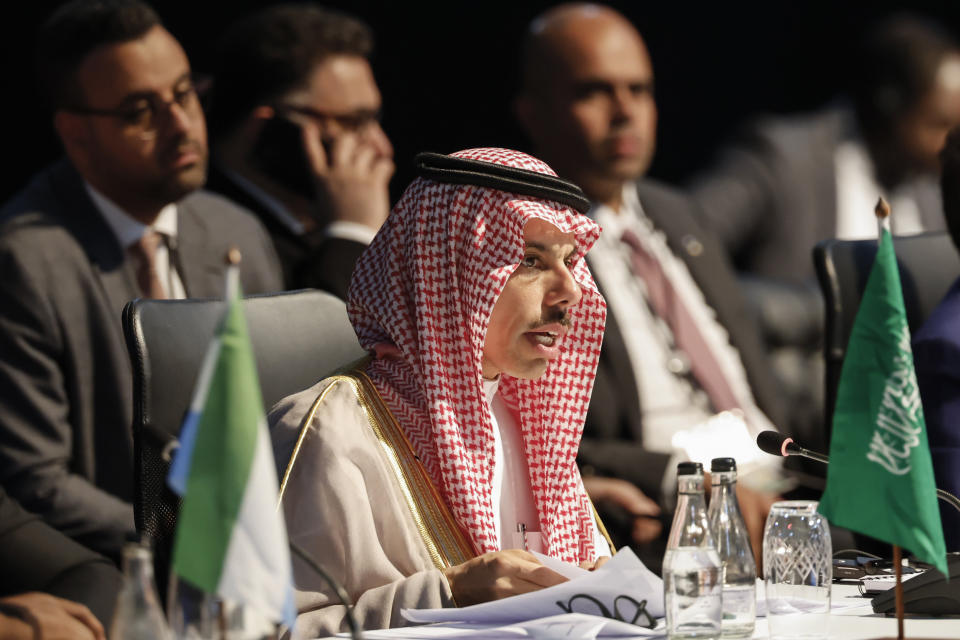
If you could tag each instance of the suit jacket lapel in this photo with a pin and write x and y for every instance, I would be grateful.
(200, 267)
(107, 258)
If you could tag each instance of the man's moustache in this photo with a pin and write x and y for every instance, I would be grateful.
(184, 144)
(559, 316)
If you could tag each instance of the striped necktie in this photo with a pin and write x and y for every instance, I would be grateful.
(688, 337)
(144, 252)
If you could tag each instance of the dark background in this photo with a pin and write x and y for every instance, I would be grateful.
(447, 70)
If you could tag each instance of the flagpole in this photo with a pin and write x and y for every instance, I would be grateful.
(882, 210)
(897, 560)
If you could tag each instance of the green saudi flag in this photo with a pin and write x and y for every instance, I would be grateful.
(880, 479)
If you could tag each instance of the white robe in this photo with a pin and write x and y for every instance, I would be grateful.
(343, 504)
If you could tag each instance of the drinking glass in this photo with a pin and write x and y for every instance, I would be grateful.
(797, 570)
(195, 615)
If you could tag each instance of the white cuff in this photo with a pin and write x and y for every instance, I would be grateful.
(350, 231)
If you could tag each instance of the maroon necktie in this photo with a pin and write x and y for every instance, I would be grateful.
(667, 304)
(144, 252)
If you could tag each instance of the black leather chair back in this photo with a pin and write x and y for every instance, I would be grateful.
(928, 265)
(298, 338)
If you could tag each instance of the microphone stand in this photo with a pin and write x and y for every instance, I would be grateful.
(796, 450)
(301, 553)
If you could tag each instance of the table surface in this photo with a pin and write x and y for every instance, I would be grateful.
(861, 623)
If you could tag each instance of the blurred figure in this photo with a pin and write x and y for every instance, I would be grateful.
(679, 345)
(936, 355)
(121, 217)
(36, 558)
(297, 137)
(793, 181)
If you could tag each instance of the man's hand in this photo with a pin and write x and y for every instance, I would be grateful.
(352, 176)
(498, 574)
(593, 565)
(629, 498)
(755, 505)
(49, 618)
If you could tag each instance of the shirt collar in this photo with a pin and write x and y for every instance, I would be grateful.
(125, 228)
(615, 222)
(490, 389)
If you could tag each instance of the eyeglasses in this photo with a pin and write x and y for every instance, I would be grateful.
(633, 612)
(144, 115)
(356, 121)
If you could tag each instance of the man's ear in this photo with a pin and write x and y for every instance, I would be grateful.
(73, 132)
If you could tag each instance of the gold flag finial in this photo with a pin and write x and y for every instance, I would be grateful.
(233, 256)
(882, 209)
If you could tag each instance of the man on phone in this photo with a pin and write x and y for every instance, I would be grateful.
(297, 137)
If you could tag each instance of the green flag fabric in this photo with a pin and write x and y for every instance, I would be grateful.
(231, 539)
(880, 479)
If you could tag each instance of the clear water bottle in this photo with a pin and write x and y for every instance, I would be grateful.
(138, 615)
(733, 546)
(692, 574)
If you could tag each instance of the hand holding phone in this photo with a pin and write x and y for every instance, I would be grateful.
(279, 153)
(352, 175)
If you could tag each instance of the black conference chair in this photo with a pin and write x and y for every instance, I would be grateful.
(928, 264)
(298, 338)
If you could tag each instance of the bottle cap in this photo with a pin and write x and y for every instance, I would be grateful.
(689, 469)
(723, 464)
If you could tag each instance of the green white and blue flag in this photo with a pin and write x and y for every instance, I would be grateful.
(231, 539)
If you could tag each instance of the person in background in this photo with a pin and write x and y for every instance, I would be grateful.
(680, 346)
(936, 356)
(790, 182)
(122, 216)
(297, 137)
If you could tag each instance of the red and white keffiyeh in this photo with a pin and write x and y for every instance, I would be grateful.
(423, 292)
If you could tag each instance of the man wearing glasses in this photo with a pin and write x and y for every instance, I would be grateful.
(120, 217)
(296, 137)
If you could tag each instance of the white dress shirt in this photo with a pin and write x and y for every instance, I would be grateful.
(511, 483)
(857, 194)
(129, 230)
(670, 402)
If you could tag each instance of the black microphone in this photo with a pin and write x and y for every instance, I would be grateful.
(777, 444)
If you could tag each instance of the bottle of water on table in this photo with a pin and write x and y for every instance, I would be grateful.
(692, 574)
(733, 546)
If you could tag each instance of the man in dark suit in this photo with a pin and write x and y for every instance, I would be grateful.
(297, 139)
(120, 217)
(792, 181)
(936, 355)
(587, 104)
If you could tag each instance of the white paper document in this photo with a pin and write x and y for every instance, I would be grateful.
(620, 598)
(572, 626)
